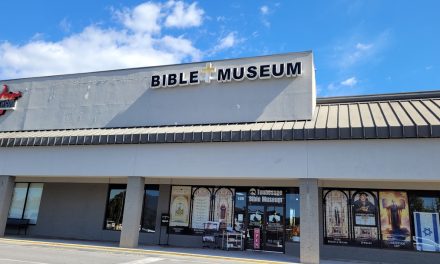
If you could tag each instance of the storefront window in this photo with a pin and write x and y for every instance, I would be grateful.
(425, 209)
(193, 206)
(115, 207)
(201, 205)
(336, 218)
(292, 216)
(382, 218)
(149, 211)
(18, 200)
(223, 212)
(240, 210)
(33, 202)
(26, 201)
(365, 218)
(425, 203)
(179, 208)
(395, 219)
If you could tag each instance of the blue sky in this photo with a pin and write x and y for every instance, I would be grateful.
(360, 47)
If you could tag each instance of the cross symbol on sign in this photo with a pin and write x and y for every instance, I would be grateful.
(208, 70)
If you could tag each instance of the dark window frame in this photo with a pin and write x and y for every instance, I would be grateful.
(211, 205)
(109, 188)
(290, 190)
(124, 186)
(190, 231)
(26, 200)
(409, 193)
(420, 193)
(152, 187)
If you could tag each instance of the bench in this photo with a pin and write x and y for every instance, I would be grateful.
(19, 224)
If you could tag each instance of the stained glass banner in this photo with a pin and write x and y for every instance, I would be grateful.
(224, 206)
(336, 217)
(179, 206)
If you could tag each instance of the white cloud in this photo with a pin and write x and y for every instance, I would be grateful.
(143, 18)
(184, 15)
(352, 52)
(356, 54)
(264, 10)
(350, 82)
(361, 46)
(227, 42)
(137, 43)
(180, 45)
(38, 36)
(347, 86)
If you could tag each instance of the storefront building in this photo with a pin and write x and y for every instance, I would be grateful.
(153, 155)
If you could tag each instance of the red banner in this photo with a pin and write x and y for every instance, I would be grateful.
(256, 238)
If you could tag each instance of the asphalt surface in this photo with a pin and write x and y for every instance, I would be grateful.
(20, 253)
(46, 251)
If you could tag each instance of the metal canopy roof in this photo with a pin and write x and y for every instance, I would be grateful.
(409, 115)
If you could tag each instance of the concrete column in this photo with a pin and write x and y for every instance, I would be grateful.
(310, 231)
(6, 191)
(132, 212)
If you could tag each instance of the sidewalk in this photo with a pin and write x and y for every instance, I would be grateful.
(239, 256)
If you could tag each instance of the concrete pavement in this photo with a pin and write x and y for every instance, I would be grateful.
(45, 251)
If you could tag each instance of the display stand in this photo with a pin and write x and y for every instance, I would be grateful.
(210, 237)
(232, 240)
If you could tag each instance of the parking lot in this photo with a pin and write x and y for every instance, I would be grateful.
(42, 252)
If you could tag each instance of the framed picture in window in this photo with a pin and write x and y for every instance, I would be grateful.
(336, 217)
(180, 206)
(395, 219)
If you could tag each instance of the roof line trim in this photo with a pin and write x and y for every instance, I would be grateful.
(379, 97)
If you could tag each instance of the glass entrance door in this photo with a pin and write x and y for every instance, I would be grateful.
(255, 227)
(274, 229)
(265, 230)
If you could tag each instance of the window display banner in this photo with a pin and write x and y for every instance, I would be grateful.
(257, 238)
(223, 206)
(179, 207)
(427, 228)
(364, 211)
(255, 218)
(336, 217)
(394, 219)
(201, 205)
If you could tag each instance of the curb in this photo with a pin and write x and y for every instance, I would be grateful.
(132, 250)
